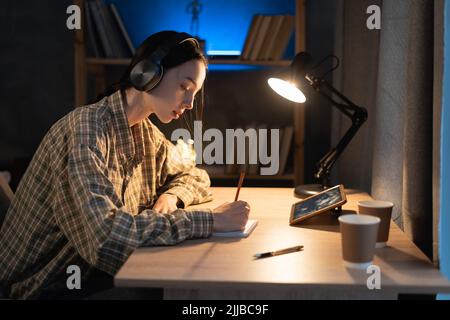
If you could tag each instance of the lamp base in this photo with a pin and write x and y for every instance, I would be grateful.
(307, 190)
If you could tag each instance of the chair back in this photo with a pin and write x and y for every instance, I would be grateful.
(6, 195)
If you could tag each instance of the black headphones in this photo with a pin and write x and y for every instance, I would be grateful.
(146, 74)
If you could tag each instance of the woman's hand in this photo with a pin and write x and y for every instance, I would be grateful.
(231, 216)
(166, 203)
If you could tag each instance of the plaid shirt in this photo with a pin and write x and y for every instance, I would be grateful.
(87, 195)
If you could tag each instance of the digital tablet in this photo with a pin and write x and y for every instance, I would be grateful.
(318, 203)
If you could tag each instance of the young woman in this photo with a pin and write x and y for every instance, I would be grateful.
(105, 181)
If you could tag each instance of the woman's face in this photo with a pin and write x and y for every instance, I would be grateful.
(177, 89)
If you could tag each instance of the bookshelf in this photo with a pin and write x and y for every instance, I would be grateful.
(120, 61)
(84, 65)
(217, 172)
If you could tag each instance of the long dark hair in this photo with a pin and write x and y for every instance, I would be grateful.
(178, 55)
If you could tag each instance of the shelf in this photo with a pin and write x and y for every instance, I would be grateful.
(224, 176)
(126, 61)
(217, 172)
(281, 63)
(108, 61)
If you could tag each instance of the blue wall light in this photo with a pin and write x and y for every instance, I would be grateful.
(222, 23)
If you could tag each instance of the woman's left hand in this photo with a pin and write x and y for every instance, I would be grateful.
(166, 203)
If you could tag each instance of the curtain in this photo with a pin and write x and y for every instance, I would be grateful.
(391, 73)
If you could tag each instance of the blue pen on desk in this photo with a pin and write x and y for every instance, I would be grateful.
(278, 252)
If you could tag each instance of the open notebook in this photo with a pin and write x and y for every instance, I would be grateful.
(249, 227)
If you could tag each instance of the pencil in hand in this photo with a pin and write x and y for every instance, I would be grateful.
(241, 180)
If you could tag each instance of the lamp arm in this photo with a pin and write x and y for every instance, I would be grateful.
(326, 163)
(358, 116)
(349, 108)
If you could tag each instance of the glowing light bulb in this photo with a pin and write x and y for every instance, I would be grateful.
(286, 90)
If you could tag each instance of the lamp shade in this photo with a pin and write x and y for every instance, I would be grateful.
(287, 90)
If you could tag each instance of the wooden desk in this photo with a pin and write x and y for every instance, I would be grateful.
(219, 268)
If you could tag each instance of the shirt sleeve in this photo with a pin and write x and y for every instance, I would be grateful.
(100, 228)
(181, 178)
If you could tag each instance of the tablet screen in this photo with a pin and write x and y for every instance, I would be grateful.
(318, 202)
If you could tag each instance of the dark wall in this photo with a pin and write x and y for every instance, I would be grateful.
(320, 30)
(36, 77)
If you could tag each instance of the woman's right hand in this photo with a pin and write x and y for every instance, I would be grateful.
(231, 216)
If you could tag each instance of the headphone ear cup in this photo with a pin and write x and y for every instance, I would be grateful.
(145, 75)
(156, 78)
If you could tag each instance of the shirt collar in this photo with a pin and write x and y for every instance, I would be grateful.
(130, 141)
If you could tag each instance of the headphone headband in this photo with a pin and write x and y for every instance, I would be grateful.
(146, 74)
(176, 40)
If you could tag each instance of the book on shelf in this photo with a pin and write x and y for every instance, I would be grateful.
(268, 37)
(93, 48)
(251, 35)
(106, 30)
(119, 46)
(285, 147)
(261, 34)
(231, 160)
(100, 27)
(283, 37)
(122, 28)
(251, 151)
(275, 30)
(242, 167)
(254, 169)
(270, 34)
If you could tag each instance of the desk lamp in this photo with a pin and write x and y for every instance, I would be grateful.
(300, 70)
